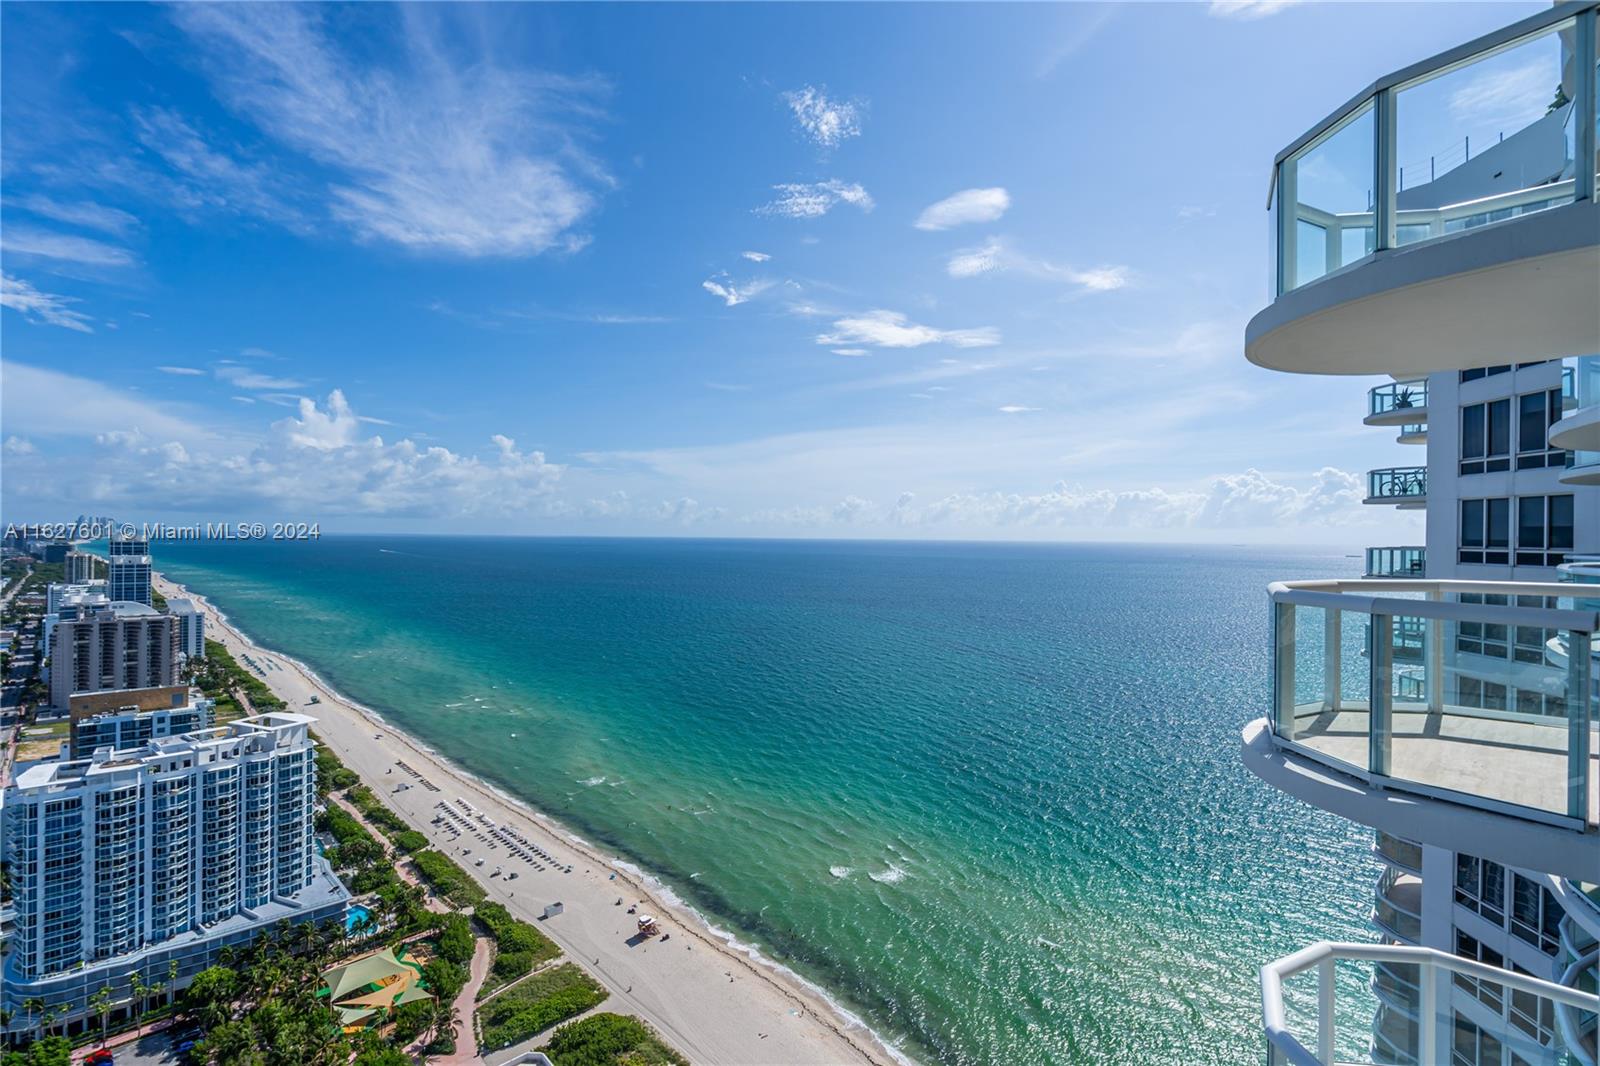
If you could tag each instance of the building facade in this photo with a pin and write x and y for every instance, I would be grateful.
(78, 568)
(191, 628)
(1447, 699)
(131, 860)
(128, 569)
(132, 718)
(119, 646)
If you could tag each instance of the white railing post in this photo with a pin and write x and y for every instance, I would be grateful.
(1380, 691)
(1283, 655)
(1385, 182)
(1332, 666)
(1583, 58)
(1427, 1013)
(1325, 1010)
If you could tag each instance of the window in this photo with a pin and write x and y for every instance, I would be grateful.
(1544, 530)
(1473, 1046)
(1535, 915)
(1533, 1014)
(1481, 887)
(1489, 992)
(1483, 372)
(1486, 437)
(1536, 412)
(1485, 531)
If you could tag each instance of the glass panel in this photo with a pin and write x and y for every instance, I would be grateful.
(1403, 482)
(1328, 188)
(1398, 396)
(1489, 140)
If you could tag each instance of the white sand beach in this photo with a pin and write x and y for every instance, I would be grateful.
(707, 998)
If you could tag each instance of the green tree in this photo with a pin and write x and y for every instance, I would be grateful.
(51, 1051)
(456, 940)
(100, 1003)
(210, 995)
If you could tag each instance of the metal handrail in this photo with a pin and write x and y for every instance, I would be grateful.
(1373, 596)
(1397, 482)
(1284, 1047)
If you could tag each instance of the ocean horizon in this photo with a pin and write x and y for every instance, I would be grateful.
(986, 795)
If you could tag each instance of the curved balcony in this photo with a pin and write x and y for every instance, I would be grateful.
(1579, 428)
(1306, 1006)
(1413, 434)
(1397, 562)
(1583, 468)
(1397, 910)
(1403, 855)
(1430, 225)
(1430, 711)
(1403, 486)
(1397, 403)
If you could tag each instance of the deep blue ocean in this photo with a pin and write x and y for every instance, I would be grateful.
(988, 796)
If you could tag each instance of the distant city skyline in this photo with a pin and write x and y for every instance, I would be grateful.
(953, 272)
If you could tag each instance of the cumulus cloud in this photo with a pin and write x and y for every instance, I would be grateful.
(893, 329)
(828, 122)
(966, 206)
(16, 445)
(995, 257)
(434, 147)
(733, 293)
(815, 199)
(1248, 10)
(44, 307)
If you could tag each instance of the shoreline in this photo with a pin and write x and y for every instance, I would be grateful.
(777, 1017)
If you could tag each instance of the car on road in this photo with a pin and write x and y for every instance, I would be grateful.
(102, 1057)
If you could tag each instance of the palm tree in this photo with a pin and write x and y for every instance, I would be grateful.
(34, 1006)
(445, 1020)
(47, 1018)
(138, 991)
(172, 974)
(100, 1003)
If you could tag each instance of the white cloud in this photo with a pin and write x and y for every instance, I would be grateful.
(1248, 10)
(187, 371)
(42, 244)
(440, 150)
(892, 329)
(756, 257)
(826, 121)
(995, 257)
(82, 213)
(968, 205)
(816, 199)
(46, 404)
(205, 178)
(732, 293)
(245, 378)
(19, 446)
(1508, 98)
(45, 307)
(1016, 409)
(850, 351)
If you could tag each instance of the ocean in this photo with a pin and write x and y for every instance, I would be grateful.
(988, 796)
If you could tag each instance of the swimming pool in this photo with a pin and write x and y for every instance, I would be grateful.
(354, 917)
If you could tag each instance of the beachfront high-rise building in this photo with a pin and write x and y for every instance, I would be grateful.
(191, 628)
(128, 568)
(120, 645)
(1439, 232)
(64, 601)
(133, 718)
(133, 859)
(78, 568)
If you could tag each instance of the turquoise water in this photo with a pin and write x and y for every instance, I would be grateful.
(354, 917)
(989, 796)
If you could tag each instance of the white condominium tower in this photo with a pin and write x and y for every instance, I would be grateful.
(1442, 228)
(133, 859)
(128, 569)
(78, 568)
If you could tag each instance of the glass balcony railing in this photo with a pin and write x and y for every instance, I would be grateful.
(1396, 562)
(1398, 906)
(1398, 483)
(1413, 433)
(1317, 1009)
(1398, 396)
(1403, 853)
(1497, 129)
(1444, 689)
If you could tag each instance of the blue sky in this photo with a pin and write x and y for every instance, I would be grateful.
(890, 270)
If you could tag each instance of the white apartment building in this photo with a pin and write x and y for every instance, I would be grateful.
(128, 569)
(191, 628)
(78, 568)
(118, 646)
(131, 718)
(133, 859)
(1448, 698)
(63, 601)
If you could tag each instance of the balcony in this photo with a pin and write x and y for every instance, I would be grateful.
(1403, 486)
(1397, 909)
(1413, 434)
(1432, 711)
(1579, 428)
(1316, 1007)
(1398, 403)
(1431, 224)
(1401, 854)
(1396, 562)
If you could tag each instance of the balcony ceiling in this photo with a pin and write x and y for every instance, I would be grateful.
(1400, 416)
(1517, 291)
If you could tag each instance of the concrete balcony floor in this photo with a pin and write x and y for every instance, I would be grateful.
(1516, 762)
